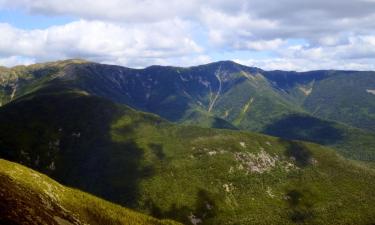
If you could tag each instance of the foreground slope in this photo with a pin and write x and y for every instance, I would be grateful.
(28, 197)
(190, 174)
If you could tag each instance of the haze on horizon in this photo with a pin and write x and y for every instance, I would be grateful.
(279, 34)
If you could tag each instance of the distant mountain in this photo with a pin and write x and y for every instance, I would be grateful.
(28, 197)
(334, 108)
(190, 174)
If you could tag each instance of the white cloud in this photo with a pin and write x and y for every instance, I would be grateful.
(101, 41)
(358, 53)
(139, 33)
(261, 45)
(295, 64)
(309, 18)
(114, 10)
(237, 31)
(15, 60)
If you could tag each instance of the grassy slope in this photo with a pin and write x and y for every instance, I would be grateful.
(29, 197)
(203, 163)
(345, 98)
(253, 105)
(351, 142)
(20, 80)
(207, 120)
(143, 162)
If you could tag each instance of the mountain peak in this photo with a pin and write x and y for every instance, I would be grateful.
(232, 66)
(225, 63)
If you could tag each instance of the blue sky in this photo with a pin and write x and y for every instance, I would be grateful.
(24, 20)
(282, 34)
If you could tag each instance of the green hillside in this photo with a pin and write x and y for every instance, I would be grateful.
(333, 108)
(28, 197)
(190, 174)
(20, 80)
(349, 98)
(350, 142)
(207, 120)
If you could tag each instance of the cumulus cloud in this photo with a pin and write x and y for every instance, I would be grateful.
(114, 10)
(15, 60)
(358, 53)
(292, 17)
(101, 41)
(139, 33)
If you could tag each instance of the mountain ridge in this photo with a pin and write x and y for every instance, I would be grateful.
(223, 94)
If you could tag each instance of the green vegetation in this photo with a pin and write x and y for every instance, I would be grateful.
(251, 104)
(185, 173)
(28, 197)
(226, 95)
(21, 80)
(346, 98)
(205, 119)
(351, 142)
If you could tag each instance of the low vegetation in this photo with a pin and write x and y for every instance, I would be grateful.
(28, 197)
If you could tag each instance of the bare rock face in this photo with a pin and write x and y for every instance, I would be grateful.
(261, 162)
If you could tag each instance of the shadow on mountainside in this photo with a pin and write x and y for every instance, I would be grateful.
(299, 197)
(305, 128)
(68, 137)
(301, 207)
(296, 150)
(204, 210)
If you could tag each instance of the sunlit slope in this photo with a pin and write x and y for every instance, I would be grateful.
(29, 197)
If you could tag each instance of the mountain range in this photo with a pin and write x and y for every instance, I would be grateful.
(335, 108)
(193, 145)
